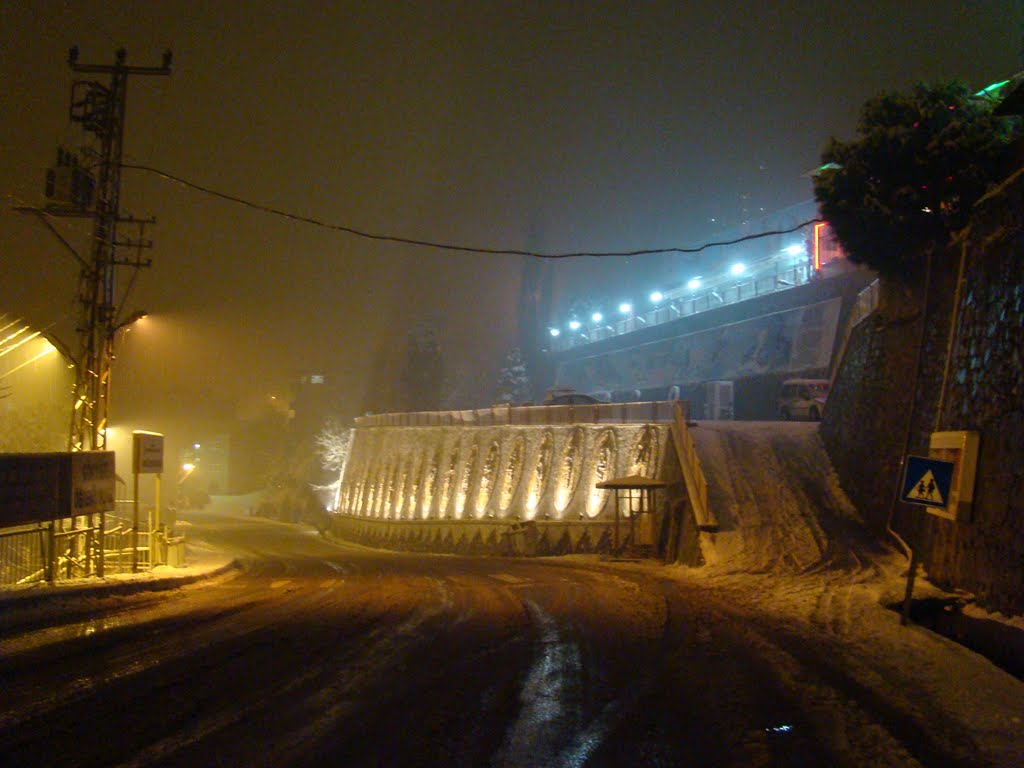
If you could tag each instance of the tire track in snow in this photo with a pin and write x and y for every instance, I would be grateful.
(551, 706)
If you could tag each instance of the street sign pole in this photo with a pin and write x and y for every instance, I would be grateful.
(926, 482)
(148, 459)
(135, 524)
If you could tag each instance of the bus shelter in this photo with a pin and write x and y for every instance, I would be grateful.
(634, 500)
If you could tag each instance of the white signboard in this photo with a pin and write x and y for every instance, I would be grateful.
(92, 482)
(147, 453)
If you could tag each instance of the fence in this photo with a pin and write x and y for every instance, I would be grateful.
(683, 303)
(693, 473)
(867, 302)
(69, 549)
(599, 413)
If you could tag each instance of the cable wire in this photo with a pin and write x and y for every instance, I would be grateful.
(453, 246)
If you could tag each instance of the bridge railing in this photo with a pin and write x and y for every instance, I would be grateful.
(661, 411)
(683, 303)
(693, 473)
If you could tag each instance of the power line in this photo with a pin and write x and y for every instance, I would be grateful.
(452, 246)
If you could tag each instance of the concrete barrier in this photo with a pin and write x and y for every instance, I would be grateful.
(485, 488)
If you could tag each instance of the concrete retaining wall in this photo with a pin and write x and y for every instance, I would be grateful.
(498, 489)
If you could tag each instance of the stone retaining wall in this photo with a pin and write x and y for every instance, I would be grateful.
(874, 415)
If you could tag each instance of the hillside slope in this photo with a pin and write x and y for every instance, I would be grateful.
(778, 500)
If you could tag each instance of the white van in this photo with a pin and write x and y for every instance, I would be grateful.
(803, 399)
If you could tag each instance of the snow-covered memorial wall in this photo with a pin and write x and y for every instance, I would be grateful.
(496, 482)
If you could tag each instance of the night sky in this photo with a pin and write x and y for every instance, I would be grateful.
(542, 126)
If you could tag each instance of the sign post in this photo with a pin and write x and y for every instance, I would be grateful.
(147, 459)
(926, 482)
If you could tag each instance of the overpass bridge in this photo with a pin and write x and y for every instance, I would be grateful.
(755, 343)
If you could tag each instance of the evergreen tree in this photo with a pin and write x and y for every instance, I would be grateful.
(423, 376)
(513, 381)
(907, 183)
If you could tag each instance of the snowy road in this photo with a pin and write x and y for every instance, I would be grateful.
(321, 654)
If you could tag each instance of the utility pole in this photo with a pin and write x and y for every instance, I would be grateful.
(89, 186)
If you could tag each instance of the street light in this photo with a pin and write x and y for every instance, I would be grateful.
(574, 325)
(656, 297)
(140, 314)
(597, 317)
(625, 307)
(738, 269)
(694, 283)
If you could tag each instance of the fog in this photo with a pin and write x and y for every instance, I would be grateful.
(556, 127)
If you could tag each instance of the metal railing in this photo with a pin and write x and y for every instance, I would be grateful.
(23, 554)
(693, 473)
(684, 303)
(867, 302)
(662, 411)
(70, 549)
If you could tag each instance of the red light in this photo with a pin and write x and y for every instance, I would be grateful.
(817, 244)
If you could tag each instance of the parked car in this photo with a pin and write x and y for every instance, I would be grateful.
(803, 399)
(575, 399)
(570, 397)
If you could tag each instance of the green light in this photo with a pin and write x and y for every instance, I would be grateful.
(990, 91)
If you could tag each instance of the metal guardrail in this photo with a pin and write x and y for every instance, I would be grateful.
(867, 302)
(23, 553)
(661, 411)
(684, 303)
(60, 550)
(693, 473)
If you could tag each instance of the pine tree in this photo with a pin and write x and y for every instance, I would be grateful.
(908, 182)
(513, 381)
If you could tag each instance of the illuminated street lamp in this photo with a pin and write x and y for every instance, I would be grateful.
(738, 269)
(597, 317)
(554, 332)
(625, 307)
(574, 325)
(657, 297)
(694, 284)
(132, 319)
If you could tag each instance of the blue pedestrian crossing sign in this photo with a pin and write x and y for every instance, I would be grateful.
(927, 481)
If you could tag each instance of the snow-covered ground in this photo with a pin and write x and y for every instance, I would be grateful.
(793, 558)
(795, 571)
